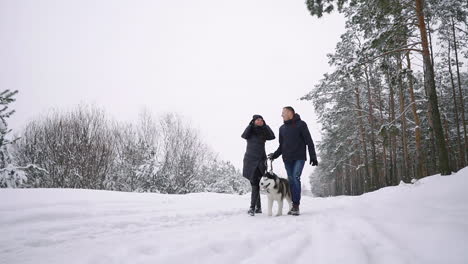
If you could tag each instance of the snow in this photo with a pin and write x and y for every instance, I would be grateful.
(425, 222)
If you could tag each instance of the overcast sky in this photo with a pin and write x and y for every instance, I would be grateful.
(216, 62)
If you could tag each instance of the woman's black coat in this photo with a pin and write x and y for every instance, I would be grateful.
(255, 156)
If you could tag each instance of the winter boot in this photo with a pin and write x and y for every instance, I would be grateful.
(295, 210)
(258, 210)
(251, 211)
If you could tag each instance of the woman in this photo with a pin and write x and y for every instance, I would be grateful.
(256, 134)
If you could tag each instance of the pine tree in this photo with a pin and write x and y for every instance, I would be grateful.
(11, 175)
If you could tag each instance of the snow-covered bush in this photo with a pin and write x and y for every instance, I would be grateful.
(82, 148)
(12, 177)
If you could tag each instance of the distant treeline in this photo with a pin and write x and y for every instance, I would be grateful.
(83, 148)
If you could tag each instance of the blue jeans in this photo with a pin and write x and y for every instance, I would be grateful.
(294, 170)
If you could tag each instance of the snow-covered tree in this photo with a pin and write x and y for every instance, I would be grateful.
(11, 176)
(6, 98)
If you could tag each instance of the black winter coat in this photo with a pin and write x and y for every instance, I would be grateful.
(294, 135)
(255, 156)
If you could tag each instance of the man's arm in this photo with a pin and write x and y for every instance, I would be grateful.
(310, 144)
(278, 152)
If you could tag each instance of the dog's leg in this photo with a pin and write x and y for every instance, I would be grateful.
(290, 203)
(280, 207)
(270, 206)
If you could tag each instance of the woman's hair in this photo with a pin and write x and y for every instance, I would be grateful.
(290, 109)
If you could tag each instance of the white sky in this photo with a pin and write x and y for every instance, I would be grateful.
(216, 62)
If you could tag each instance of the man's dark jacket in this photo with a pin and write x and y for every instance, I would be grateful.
(294, 135)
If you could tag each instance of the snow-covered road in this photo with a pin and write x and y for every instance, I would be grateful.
(422, 223)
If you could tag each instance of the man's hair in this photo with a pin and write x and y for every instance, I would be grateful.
(290, 109)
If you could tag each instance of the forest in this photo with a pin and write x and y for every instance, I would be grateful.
(392, 108)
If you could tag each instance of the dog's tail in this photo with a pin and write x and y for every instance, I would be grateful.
(288, 189)
(284, 188)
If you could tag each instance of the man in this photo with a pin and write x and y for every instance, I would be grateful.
(294, 135)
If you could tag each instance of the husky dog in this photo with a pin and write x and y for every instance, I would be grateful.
(277, 190)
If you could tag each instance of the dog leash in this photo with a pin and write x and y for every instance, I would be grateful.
(271, 165)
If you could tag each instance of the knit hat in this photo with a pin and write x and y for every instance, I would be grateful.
(255, 117)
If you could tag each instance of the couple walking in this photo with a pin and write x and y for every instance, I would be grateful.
(294, 135)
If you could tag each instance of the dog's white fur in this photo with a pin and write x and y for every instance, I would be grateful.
(267, 184)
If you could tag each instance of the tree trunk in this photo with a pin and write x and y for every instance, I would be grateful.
(447, 138)
(420, 168)
(432, 167)
(429, 82)
(359, 178)
(460, 93)
(363, 140)
(461, 147)
(393, 177)
(375, 172)
(430, 41)
(404, 140)
(384, 143)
